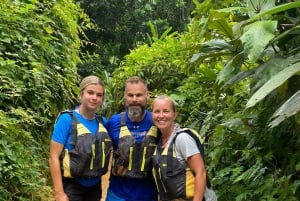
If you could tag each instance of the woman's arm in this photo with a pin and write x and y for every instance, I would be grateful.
(54, 163)
(196, 164)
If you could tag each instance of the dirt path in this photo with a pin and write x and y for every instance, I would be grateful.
(105, 181)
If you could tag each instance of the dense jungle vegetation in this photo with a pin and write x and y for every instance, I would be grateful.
(232, 66)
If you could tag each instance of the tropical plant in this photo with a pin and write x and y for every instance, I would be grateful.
(233, 68)
(123, 25)
(39, 51)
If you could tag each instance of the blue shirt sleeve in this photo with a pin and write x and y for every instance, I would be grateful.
(62, 129)
(113, 128)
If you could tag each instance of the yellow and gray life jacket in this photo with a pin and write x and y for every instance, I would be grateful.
(173, 178)
(90, 155)
(133, 159)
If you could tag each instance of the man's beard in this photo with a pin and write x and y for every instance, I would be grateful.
(135, 112)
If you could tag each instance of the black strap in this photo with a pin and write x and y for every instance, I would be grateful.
(170, 157)
(74, 129)
(172, 144)
(195, 137)
(123, 119)
(74, 126)
(99, 118)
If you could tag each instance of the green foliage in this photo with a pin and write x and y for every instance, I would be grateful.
(261, 32)
(150, 63)
(228, 55)
(32, 55)
(20, 159)
(122, 25)
(289, 108)
(233, 54)
(273, 83)
(39, 51)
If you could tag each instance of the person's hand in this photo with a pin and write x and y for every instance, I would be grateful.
(61, 196)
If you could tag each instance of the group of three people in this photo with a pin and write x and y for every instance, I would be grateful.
(140, 140)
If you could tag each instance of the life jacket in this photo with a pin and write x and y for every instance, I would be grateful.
(133, 159)
(173, 178)
(90, 154)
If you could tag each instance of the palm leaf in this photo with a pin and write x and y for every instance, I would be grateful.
(275, 10)
(273, 83)
(257, 36)
(289, 108)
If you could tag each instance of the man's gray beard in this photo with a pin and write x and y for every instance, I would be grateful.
(134, 113)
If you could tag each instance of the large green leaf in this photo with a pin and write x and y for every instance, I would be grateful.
(289, 108)
(255, 6)
(257, 36)
(230, 72)
(275, 10)
(273, 83)
(269, 69)
(220, 22)
(217, 45)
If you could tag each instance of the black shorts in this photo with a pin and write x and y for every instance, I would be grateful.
(77, 192)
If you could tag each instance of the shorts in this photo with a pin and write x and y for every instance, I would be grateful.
(111, 196)
(77, 192)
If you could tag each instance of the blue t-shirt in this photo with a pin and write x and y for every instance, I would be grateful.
(129, 188)
(62, 134)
